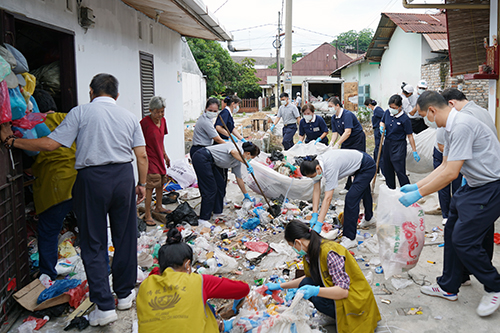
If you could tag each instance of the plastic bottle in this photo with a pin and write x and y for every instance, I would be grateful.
(228, 234)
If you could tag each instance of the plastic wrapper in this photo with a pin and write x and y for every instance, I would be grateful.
(66, 249)
(58, 288)
(202, 247)
(5, 110)
(77, 294)
(251, 224)
(17, 103)
(27, 327)
(400, 232)
(424, 142)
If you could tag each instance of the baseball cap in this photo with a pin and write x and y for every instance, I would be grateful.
(422, 84)
(408, 88)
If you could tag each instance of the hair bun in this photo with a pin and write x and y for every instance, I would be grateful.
(173, 236)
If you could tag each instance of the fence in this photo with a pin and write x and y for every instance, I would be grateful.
(252, 104)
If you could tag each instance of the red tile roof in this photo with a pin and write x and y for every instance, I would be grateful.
(320, 62)
(419, 23)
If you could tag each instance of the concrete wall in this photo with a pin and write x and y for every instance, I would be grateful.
(194, 95)
(438, 77)
(113, 47)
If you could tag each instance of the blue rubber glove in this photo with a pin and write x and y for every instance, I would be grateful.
(228, 325)
(272, 127)
(250, 169)
(309, 291)
(416, 157)
(317, 140)
(234, 138)
(409, 188)
(272, 287)
(247, 196)
(299, 142)
(464, 181)
(235, 305)
(382, 130)
(317, 227)
(313, 220)
(243, 140)
(227, 140)
(410, 198)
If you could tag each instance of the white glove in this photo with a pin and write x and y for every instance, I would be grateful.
(336, 146)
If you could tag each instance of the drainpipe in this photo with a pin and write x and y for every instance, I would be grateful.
(444, 6)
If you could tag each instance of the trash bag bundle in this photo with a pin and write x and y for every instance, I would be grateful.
(183, 213)
(400, 232)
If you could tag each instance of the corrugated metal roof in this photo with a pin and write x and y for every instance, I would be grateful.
(353, 62)
(437, 44)
(263, 73)
(320, 62)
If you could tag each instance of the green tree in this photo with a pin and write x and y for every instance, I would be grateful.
(351, 40)
(224, 75)
(295, 56)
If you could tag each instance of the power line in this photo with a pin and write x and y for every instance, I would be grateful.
(315, 32)
(255, 27)
(220, 6)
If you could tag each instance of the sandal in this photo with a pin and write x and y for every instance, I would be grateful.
(150, 222)
(163, 211)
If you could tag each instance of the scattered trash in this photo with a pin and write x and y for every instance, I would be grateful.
(415, 311)
(385, 301)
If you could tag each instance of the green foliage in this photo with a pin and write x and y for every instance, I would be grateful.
(295, 56)
(347, 40)
(224, 75)
(274, 66)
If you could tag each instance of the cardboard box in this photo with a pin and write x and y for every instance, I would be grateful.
(28, 295)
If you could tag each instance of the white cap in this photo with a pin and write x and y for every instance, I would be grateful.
(298, 94)
(422, 84)
(409, 89)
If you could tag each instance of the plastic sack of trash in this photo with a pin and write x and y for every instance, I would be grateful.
(424, 142)
(5, 111)
(17, 103)
(400, 232)
(305, 149)
(182, 172)
(183, 212)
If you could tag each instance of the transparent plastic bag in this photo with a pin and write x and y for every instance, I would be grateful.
(400, 232)
(424, 142)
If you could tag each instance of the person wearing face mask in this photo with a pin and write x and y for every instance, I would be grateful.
(333, 282)
(472, 149)
(312, 127)
(232, 107)
(378, 113)
(209, 164)
(291, 118)
(410, 108)
(331, 167)
(177, 300)
(204, 134)
(397, 127)
(346, 124)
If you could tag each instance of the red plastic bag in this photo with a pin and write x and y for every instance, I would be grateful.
(260, 247)
(30, 120)
(39, 322)
(5, 111)
(77, 294)
(262, 290)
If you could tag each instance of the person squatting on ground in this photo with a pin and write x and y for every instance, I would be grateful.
(472, 149)
(55, 175)
(177, 300)
(232, 106)
(346, 124)
(397, 127)
(378, 113)
(333, 281)
(291, 118)
(154, 128)
(204, 134)
(331, 167)
(209, 164)
(312, 127)
(107, 138)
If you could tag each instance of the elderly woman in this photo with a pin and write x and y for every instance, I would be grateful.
(154, 128)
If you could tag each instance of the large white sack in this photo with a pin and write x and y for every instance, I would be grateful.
(182, 172)
(305, 149)
(424, 141)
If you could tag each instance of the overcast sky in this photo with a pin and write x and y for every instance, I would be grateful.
(322, 19)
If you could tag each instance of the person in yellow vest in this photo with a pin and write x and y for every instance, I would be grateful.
(333, 282)
(176, 300)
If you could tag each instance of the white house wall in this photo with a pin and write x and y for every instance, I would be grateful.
(194, 95)
(426, 52)
(113, 47)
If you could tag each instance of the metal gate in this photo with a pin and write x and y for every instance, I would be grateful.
(14, 265)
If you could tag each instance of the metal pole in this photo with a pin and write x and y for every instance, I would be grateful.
(278, 69)
(288, 48)
(337, 53)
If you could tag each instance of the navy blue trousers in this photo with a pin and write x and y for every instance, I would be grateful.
(473, 212)
(193, 150)
(445, 193)
(360, 190)
(288, 133)
(211, 183)
(98, 192)
(50, 223)
(357, 143)
(323, 305)
(378, 136)
(394, 154)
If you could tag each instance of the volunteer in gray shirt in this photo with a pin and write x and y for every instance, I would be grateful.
(204, 132)
(470, 148)
(291, 118)
(107, 138)
(331, 167)
(209, 163)
(409, 106)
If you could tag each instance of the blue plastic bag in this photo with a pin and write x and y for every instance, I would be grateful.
(17, 103)
(27, 134)
(58, 288)
(251, 224)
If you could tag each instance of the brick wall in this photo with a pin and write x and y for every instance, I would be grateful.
(438, 77)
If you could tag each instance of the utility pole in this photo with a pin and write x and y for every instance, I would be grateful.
(288, 48)
(278, 69)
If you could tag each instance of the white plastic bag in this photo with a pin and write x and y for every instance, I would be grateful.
(400, 232)
(424, 142)
(182, 172)
(305, 149)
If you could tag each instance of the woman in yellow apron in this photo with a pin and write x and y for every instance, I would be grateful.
(333, 282)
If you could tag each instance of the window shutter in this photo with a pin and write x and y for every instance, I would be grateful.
(147, 81)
